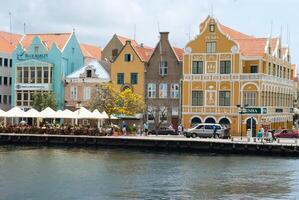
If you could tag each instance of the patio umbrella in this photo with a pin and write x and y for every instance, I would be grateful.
(67, 114)
(15, 112)
(83, 113)
(97, 115)
(49, 113)
(2, 113)
(32, 113)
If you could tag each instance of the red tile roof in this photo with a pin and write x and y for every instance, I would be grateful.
(179, 53)
(123, 40)
(48, 39)
(233, 33)
(8, 41)
(91, 51)
(144, 52)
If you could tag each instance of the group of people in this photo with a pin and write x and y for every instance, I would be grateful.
(265, 135)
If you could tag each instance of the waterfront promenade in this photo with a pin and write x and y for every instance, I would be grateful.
(179, 143)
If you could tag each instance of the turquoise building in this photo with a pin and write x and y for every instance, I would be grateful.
(40, 64)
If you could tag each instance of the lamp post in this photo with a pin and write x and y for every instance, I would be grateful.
(241, 111)
(78, 106)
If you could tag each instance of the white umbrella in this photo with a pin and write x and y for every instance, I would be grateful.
(32, 113)
(83, 113)
(67, 114)
(15, 112)
(97, 115)
(2, 113)
(48, 113)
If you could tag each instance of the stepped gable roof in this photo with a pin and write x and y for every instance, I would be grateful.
(91, 51)
(8, 41)
(47, 39)
(100, 71)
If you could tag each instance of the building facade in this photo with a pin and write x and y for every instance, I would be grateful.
(128, 68)
(81, 84)
(236, 79)
(40, 64)
(8, 42)
(162, 77)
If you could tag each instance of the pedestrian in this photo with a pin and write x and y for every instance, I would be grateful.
(259, 135)
(145, 127)
(180, 129)
(124, 128)
(139, 131)
(214, 131)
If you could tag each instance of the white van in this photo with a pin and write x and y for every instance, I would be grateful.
(206, 130)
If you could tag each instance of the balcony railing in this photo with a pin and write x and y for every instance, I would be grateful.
(236, 77)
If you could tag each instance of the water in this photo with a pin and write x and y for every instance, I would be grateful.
(73, 173)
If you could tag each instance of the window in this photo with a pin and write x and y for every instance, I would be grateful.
(46, 75)
(10, 62)
(197, 98)
(88, 73)
(5, 99)
(25, 72)
(253, 69)
(5, 62)
(39, 75)
(114, 52)
(175, 90)
(249, 98)
(211, 47)
(9, 80)
(212, 28)
(163, 90)
(151, 90)
(163, 114)
(134, 78)
(5, 80)
(151, 113)
(120, 78)
(274, 72)
(86, 93)
(36, 49)
(73, 93)
(197, 67)
(163, 68)
(225, 67)
(224, 98)
(32, 74)
(0, 80)
(0, 61)
(73, 50)
(128, 57)
(269, 68)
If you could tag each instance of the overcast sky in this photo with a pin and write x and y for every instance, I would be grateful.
(95, 21)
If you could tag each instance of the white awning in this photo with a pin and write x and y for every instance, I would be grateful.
(2, 113)
(32, 113)
(15, 112)
(83, 113)
(67, 114)
(97, 115)
(49, 113)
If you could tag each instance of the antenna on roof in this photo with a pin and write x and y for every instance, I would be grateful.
(74, 30)
(10, 28)
(212, 10)
(24, 28)
(134, 32)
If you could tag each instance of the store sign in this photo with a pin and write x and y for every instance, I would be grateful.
(37, 56)
(24, 86)
(253, 111)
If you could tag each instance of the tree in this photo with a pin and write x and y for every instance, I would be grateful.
(42, 100)
(158, 115)
(115, 102)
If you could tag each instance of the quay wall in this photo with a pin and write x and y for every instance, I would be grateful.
(155, 143)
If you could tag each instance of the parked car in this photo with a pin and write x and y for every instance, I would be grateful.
(163, 131)
(284, 133)
(206, 130)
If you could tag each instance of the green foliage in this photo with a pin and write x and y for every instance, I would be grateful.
(115, 102)
(42, 100)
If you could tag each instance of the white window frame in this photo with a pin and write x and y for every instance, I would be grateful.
(249, 98)
(211, 47)
(86, 93)
(163, 90)
(151, 109)
(73, 93)
(175, 90)
(151, 90)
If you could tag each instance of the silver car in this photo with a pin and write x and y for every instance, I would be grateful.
(206, 130)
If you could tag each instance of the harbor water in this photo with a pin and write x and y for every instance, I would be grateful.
(49, 173)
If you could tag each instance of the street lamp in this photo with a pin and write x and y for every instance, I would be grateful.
(242, 110)
(78, 106)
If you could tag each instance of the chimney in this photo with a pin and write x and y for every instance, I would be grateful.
(128, 41)
(141, 45)
(164, 35)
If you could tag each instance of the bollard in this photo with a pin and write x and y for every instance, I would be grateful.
(232, 138)
(278, 140)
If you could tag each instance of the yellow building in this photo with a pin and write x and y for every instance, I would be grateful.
(236, 79)
(127, 70)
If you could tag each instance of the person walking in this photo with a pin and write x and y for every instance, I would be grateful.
(124, 128)
(214, 131)
(180, 129)
(145, 127)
